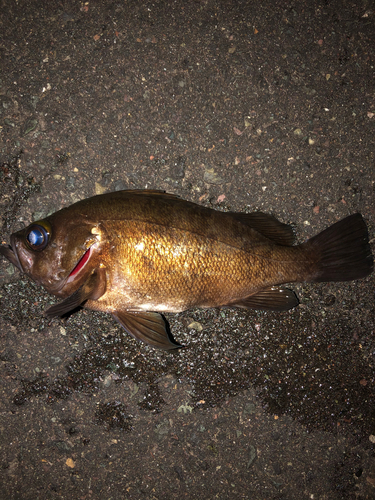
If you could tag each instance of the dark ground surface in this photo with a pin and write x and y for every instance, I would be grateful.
(235, 105)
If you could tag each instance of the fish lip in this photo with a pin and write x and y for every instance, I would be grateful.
(14, 250)
(10, 253)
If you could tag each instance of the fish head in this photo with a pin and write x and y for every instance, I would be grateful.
(57, 252)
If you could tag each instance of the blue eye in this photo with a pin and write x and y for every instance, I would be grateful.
(37, 237)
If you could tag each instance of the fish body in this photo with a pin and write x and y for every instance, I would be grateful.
(136, 254)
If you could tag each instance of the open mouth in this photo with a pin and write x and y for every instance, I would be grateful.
(81, 263)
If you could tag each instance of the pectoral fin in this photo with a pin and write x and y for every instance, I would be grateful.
(271, 299)
(93, 288)
(149, 327)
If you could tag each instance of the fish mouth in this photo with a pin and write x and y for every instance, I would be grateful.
(80, 265)
(9, 253)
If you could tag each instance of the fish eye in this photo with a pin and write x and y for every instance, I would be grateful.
(37, 237)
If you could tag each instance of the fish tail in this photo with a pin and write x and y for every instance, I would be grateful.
(341, 252)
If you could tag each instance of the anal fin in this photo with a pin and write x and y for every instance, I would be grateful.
(148, 327)
(270, 299)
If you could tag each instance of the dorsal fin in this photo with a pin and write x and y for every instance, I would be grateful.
(268, 226)
(150, 192)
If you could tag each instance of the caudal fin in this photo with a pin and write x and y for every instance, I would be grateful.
(341, 252)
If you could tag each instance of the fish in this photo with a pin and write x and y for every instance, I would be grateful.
(137, 254)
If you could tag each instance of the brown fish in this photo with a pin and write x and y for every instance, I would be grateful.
(132, 252)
